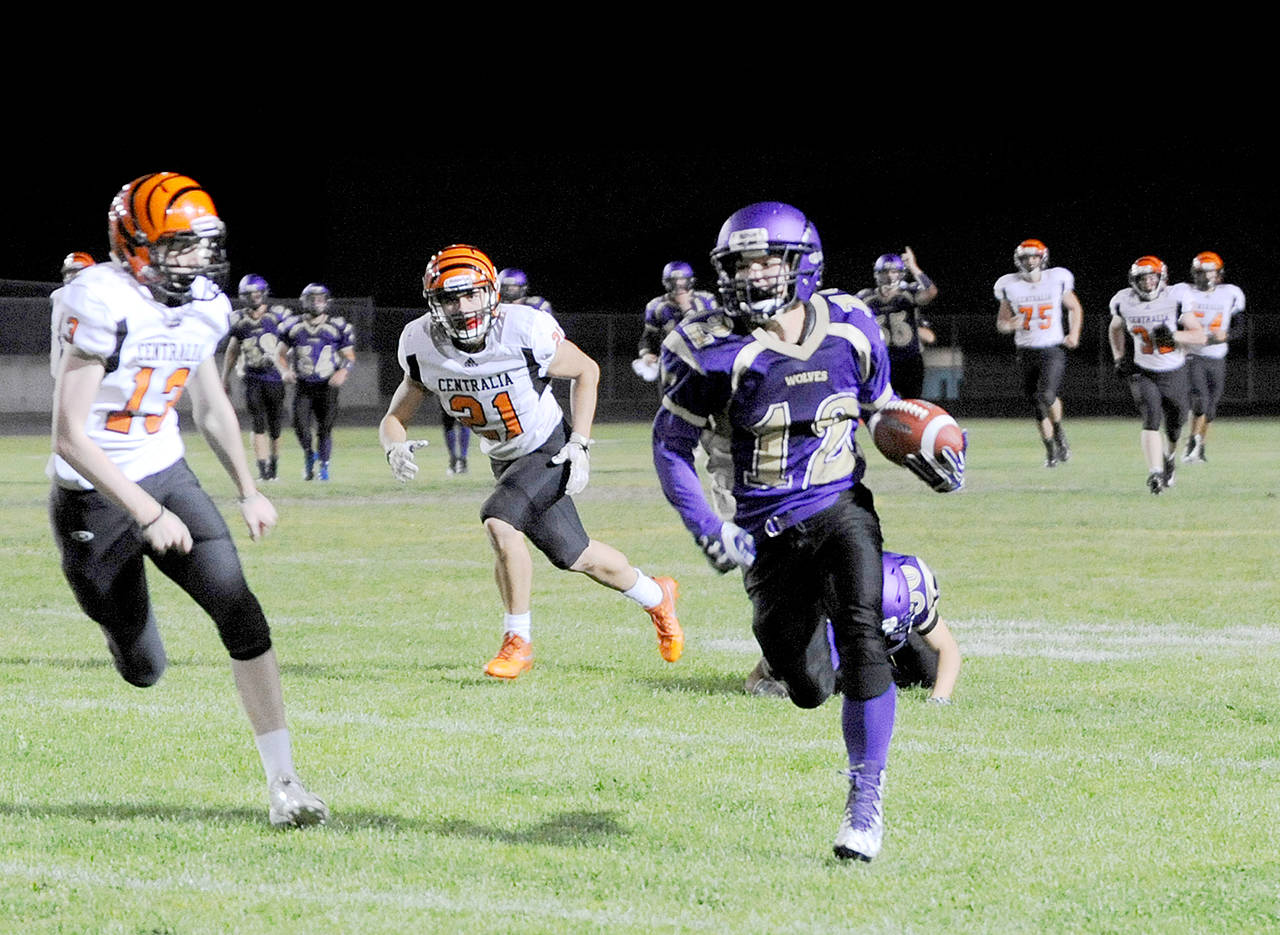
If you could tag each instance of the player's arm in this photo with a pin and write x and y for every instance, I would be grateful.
(229, 361)
(1075, 319)
(571, 363)
(76, 387)
(941, 641)
(926, 334)
(1115, 337)
(393, 431)
(340, 375)
(928, 289)
(674, 441)
(1190, 333)
(216, 419)
(1006, 321)
(282, 361)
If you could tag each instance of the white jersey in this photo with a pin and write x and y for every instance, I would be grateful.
(149, 351)
(1037, 305)
(1140, 319)
(55, 330)
(502, 391)
(1213, 309)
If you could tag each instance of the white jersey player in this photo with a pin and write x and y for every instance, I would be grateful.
(1217, 306)
(490, 367)
(1147, 316)
(1039, 307)
(135, 334)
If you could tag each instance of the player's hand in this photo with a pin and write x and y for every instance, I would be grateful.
(400, 457)
(259, 515)
(1162, 337)
(734, 547)
(167, 532)
(945, 472)
(1125, 368)
(646, 367)
(575, 452)
(1071, 342)
(339, 377)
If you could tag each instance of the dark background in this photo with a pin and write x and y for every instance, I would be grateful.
(593, 228)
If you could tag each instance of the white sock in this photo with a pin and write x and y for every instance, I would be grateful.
(276, 751)
(646, 592)
(519, 624)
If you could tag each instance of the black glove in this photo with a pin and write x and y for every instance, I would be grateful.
(1125, 368)
(1162, 337)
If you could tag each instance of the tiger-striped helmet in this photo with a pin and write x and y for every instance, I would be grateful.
(461, 288)
(165, 230)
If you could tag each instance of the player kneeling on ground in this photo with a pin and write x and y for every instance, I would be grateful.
(490, 365)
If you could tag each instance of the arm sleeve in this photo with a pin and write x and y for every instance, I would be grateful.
(674, 441)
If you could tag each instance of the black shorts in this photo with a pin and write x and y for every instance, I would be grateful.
(265, 401)
(1161, 394)
(530, 496)
(1040, 371)
(828, 566)
(1207, 376)
(102, 559)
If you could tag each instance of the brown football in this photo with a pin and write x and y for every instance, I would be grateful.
(914, 426)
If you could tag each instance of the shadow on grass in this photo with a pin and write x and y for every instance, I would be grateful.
(707, 683)
(569, 829)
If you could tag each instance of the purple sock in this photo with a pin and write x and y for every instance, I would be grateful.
(868, 728)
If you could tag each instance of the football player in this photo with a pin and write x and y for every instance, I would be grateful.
(661, 314)
(1217, 306)
(316, 352)
(1032, 302)
(138, 331)
(72, 264)
(922, 650)
(896, 302)
(513, 289)
(253, 343)
(786, 371)
(490, 366)
(1148, 316)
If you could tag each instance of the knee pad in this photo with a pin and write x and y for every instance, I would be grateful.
(141, 661)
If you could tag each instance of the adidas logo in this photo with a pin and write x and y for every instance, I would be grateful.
(469, 362)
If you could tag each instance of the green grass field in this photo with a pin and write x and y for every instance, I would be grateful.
(1111, 764)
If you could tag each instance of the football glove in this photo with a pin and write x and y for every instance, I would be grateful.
(1125, 368)
(400, 457)
(1162, 337)
(733, 548)
(944, 472)
(575, 452)
(644, 370)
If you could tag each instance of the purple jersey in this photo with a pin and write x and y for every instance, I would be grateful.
(898, 317)
(791, 410)
(316, 348)
(662, 314)
(259, 339)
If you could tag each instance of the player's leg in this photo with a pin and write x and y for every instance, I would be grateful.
(102, 561)
(326, 417)
(1197, 378)
(255, 403)
(1175, 399)
(1146, 398)
(273, 407)
(1030, 372)
(212, 575)
(513, 572)
(1053, 368)
(1215, 381)
(302, 416)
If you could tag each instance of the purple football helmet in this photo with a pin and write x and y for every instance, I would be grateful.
(314, 299)
(910, 597)
(677, 274)
(889, 269)
(253, 283)
(756, 232)
(513, 285)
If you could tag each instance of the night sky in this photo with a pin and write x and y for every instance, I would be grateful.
(593, 228)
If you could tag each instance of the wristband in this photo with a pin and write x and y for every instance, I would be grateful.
(145, 526)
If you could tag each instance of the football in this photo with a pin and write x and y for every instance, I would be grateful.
(914, 426)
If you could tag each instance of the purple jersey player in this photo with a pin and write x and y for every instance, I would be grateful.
(895, 302)
(786, 372)
(665, 311)
(253, 344)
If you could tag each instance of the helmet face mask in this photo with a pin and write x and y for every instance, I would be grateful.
(1031, 257)
(768, 257)
(677, 277)
(513, 285)
(165, 230)
(889, 270)
(1206, 270)
(1147, 276)
(461, 288)
(315, 300)
(253, 291)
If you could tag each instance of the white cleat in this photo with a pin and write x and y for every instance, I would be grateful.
(862, 828)
(292, 806)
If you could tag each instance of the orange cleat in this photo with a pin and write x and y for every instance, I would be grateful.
(515, 656)
(670, 636)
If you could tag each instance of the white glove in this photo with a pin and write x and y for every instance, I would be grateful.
(575, 452)
(400, 457)
(739, 545)
(645, 370)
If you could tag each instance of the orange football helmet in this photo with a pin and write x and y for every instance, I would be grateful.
(1028, 250)
(1206, 269)
(165, 230)
(74, 262)
(1143, 267)
(461, 288)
